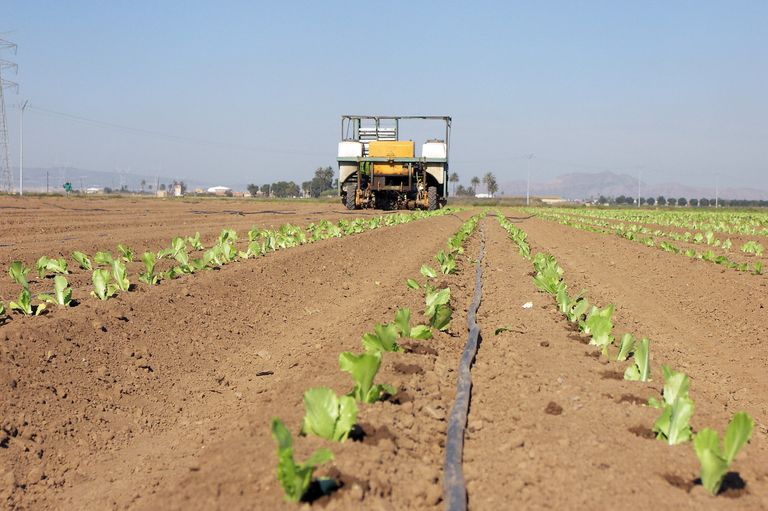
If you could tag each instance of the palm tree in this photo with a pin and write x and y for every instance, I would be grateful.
(475, 181)
(490, 183)
(454, 179)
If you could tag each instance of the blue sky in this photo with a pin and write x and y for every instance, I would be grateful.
(673, 89)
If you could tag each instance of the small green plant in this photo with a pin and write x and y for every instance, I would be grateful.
(148, 276)
(327, 415)
(626, 347)
(24, 305)
(428, 272)
(125, 252)
(363, 369)
(102, 289)
(752, 247)
(598, 324)
(447, 262)
(62, 293)
(104, 258)
(640, 370)
(412, 284)
(437, 311)
(403, 324)
(715, 461)
(42, 266)
(673, 425)
(295, 478)
(18, 273)
(194, 242)
(120, 274)
(82, 260)
(383, 338)
(758, 268)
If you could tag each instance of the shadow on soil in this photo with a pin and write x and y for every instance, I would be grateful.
(733, 485)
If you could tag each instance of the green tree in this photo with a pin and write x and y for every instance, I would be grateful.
(474, 181)
(661, 201)
(253, 189)
(454, 179)
(490, 183)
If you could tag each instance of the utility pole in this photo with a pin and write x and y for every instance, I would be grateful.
(529, 157)
(47, 183)
(717, 189)
(638, 188)
(6, 177)
(21, 147)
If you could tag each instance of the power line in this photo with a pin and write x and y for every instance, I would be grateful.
(169, 136)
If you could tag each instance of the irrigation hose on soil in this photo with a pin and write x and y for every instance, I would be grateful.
(454, 488)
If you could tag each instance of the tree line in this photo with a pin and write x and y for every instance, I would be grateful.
(682, 201)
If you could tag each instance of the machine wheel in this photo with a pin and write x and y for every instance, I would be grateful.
(432, 203)
(349, 200)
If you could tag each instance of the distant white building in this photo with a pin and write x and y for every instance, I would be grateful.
(219, 190)
(483, 196)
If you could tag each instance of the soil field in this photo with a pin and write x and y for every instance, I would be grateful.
(162, 397)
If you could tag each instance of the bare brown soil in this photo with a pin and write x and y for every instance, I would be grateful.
(161, 398)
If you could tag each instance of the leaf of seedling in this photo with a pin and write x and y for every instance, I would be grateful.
(641, 368)
(19, 274)
(119, 274)
(102, 289)
(363, 369)
(62, 293)
(383, 338)
(126, 253)
(82, 259)
(403, 324)
(295, 478)
(428, 271)
(412, 284)
(194, 242)
(715, 461)
(24, 305)
(599, 326)
(327, 415)
(626, 347)
(104, 258)
(677, 408)
(42, 266)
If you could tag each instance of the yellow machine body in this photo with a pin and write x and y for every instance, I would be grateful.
(391, 149)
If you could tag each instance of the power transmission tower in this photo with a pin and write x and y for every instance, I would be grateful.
(6, 177)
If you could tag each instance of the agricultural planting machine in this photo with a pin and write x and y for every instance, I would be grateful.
(378, 170)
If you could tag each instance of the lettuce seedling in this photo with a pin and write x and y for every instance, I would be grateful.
(382, 339)
(295, 478)
(428, 272)
(437, 309)
(447, 262)
(403, 323)
(363, 369)
(149, 277)
(577, 310)
(327, 415)
(24, 305)
(194, 242)
(673, 425)
(626, 347)
(82, 259)
(412, 284)
(119, 273)
(19, 274)
(62, 293)
(640, 370)
(3, 315)
(758, 268)
(102, 289)
(598, 324)
(752, 247)
(42, 266)
(104, 258)
(715, 461)
(126, 253)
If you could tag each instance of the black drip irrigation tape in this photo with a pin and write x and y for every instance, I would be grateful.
(454, 487)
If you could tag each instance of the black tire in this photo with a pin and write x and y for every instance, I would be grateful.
(432, 202)
(349, 200)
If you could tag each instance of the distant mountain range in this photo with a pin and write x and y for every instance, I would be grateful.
(582, 185)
